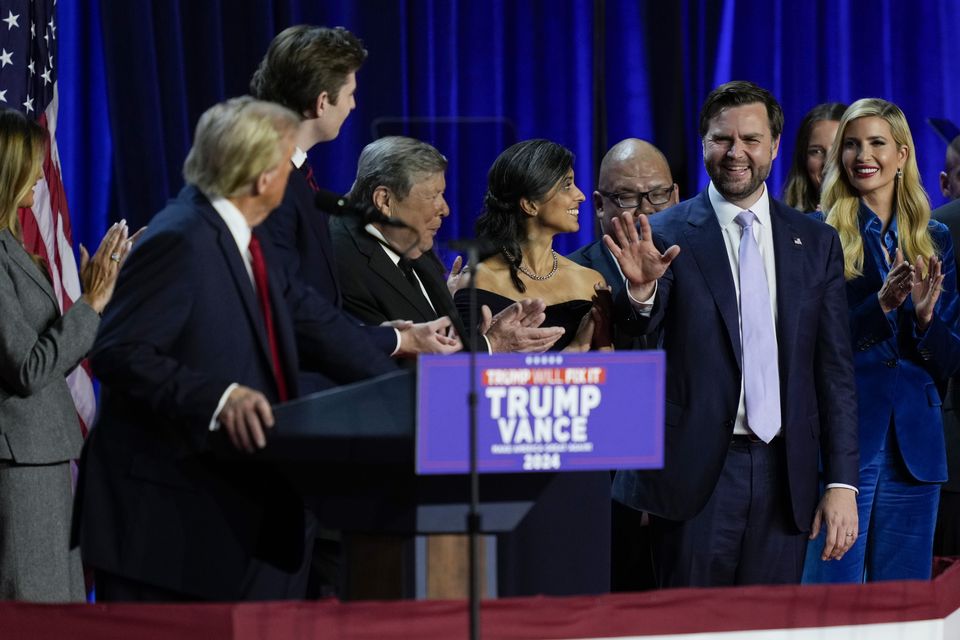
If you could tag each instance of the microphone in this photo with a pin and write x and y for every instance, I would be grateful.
(337, 205)
(484, 248)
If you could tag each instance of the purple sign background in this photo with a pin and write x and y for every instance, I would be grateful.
(542, 412)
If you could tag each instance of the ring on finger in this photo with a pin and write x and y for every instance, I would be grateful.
(115, 257)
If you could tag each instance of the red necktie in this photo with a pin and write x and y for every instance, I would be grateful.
(259, 268)
(310, 180)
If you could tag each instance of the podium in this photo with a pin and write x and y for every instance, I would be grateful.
(351, 449)
(356, 452)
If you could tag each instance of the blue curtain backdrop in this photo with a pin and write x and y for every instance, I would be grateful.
(473, 76)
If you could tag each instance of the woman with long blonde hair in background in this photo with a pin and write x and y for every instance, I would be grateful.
(902, 298)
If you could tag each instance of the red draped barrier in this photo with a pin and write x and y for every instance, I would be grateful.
(676, 611)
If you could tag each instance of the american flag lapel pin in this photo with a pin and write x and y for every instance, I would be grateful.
(797, 241)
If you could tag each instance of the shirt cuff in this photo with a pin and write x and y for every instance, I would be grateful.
(644, 307)
(396, 348)
(214, 424)
(840, 485)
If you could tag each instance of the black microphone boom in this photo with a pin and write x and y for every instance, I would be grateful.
(337, 205)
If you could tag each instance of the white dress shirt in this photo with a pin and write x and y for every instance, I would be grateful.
(763, 233)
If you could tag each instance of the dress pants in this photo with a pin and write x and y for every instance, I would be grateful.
(744, 535)
(897, 517)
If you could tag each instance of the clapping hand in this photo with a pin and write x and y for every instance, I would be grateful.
(926, 290)
(98, 274)
(517, 328)
(898, 284)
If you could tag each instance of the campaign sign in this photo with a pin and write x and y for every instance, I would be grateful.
(542, 412)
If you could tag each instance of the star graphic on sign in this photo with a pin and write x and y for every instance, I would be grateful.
(28, 104)
(46, 76)
(32, 70)
(6, 57)
(3, 95)
(11, 20)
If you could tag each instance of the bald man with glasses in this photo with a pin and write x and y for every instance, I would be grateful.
(634, 177)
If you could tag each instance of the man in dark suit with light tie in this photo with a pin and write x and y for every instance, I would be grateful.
(196, 344)
(760, 384)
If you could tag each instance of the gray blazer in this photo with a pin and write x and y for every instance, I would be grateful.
(38, 348)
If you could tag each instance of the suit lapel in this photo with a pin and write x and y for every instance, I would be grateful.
(788, 254)
(319, 225)
(390, 274)
(709, 250)
(238, 272)
(20, 257)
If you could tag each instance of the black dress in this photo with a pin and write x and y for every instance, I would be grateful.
(562, 546)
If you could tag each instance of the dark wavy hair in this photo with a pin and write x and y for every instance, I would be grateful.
(738, 93)
(304, 61)
(528, 169)
(799, 191)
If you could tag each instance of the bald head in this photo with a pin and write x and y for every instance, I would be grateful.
(950, 176)
(631, 167)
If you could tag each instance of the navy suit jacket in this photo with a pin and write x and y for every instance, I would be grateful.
(155, 502)
(949, 214)
(696, 309)
(300, 235)
(898, 371)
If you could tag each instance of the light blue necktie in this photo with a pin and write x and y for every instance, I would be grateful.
(761, 374)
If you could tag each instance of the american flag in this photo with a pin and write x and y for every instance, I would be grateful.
(28, 83)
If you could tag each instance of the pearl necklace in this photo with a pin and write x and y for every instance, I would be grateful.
(536, 276)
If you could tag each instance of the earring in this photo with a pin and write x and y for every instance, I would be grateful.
(899, 173)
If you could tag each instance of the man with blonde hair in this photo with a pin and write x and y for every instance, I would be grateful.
(196, 345)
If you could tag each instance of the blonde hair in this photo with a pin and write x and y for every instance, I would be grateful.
(911, 206)
(234, 143)
(22, 144)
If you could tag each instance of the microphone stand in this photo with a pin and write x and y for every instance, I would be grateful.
(473, 515)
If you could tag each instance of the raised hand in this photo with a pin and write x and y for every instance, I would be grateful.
(458, 272)
(926, 290)
(640, 260)
(897, 285)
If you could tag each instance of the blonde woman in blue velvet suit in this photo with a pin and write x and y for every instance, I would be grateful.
(902, 295)
(39, 430)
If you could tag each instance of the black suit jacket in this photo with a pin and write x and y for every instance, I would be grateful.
(625, 325)
(155, 502)
(696, 306)
(374, 288)
(300, 235)
(949, 214)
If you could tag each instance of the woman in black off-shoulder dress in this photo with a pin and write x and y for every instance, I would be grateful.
(562, 546)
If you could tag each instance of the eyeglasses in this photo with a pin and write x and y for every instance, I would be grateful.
(633, 199)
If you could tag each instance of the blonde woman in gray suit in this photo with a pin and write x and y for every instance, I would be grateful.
(39, 429)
